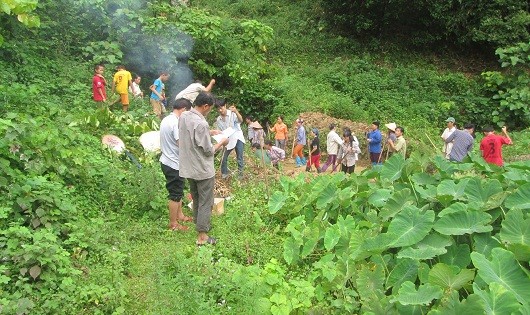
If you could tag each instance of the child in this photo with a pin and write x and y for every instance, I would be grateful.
(135, 90)
(121, 83)
(348, 152)
(314, 152)
(276, 154)
(99, 94)
(157, 94)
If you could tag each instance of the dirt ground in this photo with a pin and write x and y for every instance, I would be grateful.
(254, 171)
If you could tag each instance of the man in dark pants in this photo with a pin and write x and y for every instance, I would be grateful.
(169, 161)
(197, 162)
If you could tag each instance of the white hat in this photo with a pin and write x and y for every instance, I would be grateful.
(391, 126)
(255, 125)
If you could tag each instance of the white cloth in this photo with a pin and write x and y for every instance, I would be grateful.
(447, 146)
(230, 120)
(333, 141)
(135, 91)
(191, 91)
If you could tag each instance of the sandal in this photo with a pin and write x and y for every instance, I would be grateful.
(210, 240)
(186, 219)
(178, 227)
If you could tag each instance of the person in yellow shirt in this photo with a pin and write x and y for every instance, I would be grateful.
(281, 133)
(121, 83)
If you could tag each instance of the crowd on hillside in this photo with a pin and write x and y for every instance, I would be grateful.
(187, 151)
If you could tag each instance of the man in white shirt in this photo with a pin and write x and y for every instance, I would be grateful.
(231, 118)
(447, 132)
(333, 142)
(192, 90)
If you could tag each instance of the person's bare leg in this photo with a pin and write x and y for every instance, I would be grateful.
(175, 208)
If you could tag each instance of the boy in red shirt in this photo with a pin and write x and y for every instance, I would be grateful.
(491, 145)
(99, 94)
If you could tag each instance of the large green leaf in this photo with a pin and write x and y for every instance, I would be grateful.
(449, 277)
(463, 222)
(370, 280)
(326, 196)
(483, 243)
(291, 250)
(408, 295)
(379, 197)
(504, 270)
(516, 231)
(480, 191)
(431, 246)
(520, 198)
(405, 270)
(410, 226)
(394, 205)
(393, 167)
(453, 306)
(311, 238)
(332, 236)
(448, 191)
(424, 179)
(458, 255)
(277, 201)
(498, 301)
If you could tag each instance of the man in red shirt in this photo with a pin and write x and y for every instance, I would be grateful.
(491, 145)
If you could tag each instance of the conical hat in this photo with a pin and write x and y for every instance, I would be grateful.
(391, 126)
(255, 125)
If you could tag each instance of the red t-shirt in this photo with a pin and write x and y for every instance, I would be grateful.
(98, 82)
(491, 147)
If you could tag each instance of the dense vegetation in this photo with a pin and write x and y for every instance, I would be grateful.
(82, 231)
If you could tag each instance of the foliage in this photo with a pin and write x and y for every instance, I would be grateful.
(510, 90)
(420, 236)
(23, 9)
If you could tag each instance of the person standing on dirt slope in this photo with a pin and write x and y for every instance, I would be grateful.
(281, 130)
(348, 152)
(196, 157)
(462, 142)
(491, 145)
(192, 90)
(298, 152)
(333, 142)
(169, 162)
(276, 154)
(121, 83)
(374, 139)
(259, 134)
(157, 94)
(391, 135)
(99, 93)
(314, 154)
(354, 139)
(231, 118)
(447, 132)
(400, 144)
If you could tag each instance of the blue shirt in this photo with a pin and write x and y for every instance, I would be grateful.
(375, 143)
(300, 136)
(158, 87)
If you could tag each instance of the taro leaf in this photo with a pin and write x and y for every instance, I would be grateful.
(277, 201)
(449, 278)
(503, 269)
(408, 295)
(312, 236)
(332, 237)
(34, 271)
(378, 243)
(448, 191)
(453, 306)
(423, 273)
(423, 179)
(393, 167)
(410, 226)
(370, 280)
(520, 177)
(395, 204)
(458, 255)
(464, 222)
(498, 301)
(405, 270)
(326, 196)
(516, 228)
(446, 168)
(520, 198)
(455, 207)
(480, 191)
(379, 197)
(291, 250)
(428, 193)
(432, 245)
